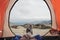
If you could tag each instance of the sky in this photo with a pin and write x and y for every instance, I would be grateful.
(30, 10)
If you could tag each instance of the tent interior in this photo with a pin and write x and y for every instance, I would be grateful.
(5, 10)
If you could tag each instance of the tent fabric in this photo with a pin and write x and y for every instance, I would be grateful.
(56, 7)
(3, 7)
(4, 4)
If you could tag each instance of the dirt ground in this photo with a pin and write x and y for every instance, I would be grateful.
(21, 31)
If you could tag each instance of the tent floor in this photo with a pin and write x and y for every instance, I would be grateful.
(45, 38)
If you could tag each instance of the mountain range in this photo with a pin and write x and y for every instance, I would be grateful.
(30, 22)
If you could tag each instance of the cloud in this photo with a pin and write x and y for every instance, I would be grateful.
(30, 10)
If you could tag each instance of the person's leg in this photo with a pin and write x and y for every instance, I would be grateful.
(32, 31)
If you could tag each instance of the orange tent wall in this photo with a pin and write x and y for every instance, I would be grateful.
(3, 7)
(4, 4)
(56, 6)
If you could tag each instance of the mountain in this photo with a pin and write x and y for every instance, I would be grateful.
(30, 22)
(41, 22)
